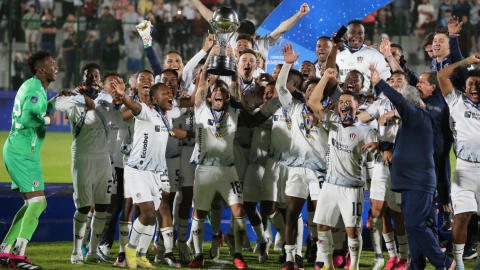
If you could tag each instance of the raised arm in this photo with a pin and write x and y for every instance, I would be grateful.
(385, 50)
(190, 66)
(235, 86)
(285, 26)
(202, 90)
(284, 94)
(444, 74)
(145, 29)
(119, 89)
(315, 101)
(454, 28)
(206, 12)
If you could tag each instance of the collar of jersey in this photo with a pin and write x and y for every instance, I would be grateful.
(353, 50)
(443, 60)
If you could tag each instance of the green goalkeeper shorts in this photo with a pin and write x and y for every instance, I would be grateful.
(25, 171)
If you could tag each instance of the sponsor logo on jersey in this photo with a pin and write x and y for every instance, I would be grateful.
(139, 195)
(145, 144)
(36, 183)
(353, 136)
(341, 147)
(34, 99)
(359, 59)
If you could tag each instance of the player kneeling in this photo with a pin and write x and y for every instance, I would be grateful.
(146, 171)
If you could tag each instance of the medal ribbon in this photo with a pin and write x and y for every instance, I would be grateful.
(218, 120)
(165, 121)
(285, 117)
(308, 126)
(470, 102)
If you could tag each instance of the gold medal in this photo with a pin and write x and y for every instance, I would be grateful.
(309, 127)
(289, 126)
(308, 136)
(218, 135)
(217, 125)
(172, 133)
(127, 86)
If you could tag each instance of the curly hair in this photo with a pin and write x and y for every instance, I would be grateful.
(37, 59)
(89, 66)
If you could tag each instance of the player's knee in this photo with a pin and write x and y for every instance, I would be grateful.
(150, 216)
(462, 220)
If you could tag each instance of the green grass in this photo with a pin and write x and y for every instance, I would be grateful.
(57, 256)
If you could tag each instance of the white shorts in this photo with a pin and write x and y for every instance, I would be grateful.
(274, 181)
(173, 168)
(252, 185)
(126, 192)
(335, 201)
(240, 157)
(381, 188)
(466, 187)
(187, 170)
(212, 179)
(92, 179)
(303, 181)
(146, 186)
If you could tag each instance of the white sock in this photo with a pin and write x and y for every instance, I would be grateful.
(20, 246)
(79, 224)
(457, 250)
(279, 224)
(375, 233)
(312, 226)
(5, 248)
(390, 244)
(291, 251)
(182, 230)
(123, 235)
(300, 228)
(260, 233)
(402, 246)
(145, 240)
(88, 226)
(268, 231)
(98, 223)
(324, 248)
(198, 230)
(239, 227)
(354, 248)
(167, 234)
(137, 231)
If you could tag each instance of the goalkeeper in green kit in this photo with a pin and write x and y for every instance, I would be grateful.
(21, 155)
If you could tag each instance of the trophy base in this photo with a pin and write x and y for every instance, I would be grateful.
(222, 65)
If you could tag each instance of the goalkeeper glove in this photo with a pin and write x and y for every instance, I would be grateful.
(145, 30)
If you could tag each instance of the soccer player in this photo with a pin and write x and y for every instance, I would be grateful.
(324, 46)
(464, 122)
(359, 56)
(89, 115)
(306, 161)
(216, 125)
(342, 192)
(21, 154)
(146, 175)
(412, 173)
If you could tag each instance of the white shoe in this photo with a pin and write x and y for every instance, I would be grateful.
(183, 251)
(215, 247)
(378, 263)
(159, 254)
(105, 249)
(94, 257)
(171, 261)
(120, 262)
(76, 259)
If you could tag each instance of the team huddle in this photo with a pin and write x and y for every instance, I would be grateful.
(179, 137)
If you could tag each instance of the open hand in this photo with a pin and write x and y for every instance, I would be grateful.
(453, 26)
(288, 54)
(372, 146)
(375, 75)
(385, 47)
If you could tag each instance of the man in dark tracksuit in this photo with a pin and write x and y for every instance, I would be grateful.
(412, 173)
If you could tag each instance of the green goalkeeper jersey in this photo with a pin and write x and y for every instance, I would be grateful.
(28, 123)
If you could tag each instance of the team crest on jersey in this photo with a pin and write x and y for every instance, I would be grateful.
(36, 183)
(353, 136)
(359, 59)
(139, 195)
(34, 99)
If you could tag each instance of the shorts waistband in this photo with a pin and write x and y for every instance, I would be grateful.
(464, 163)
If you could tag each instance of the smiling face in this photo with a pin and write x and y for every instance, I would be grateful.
(107, 87)
(50, 69)
(145, 80)
(323, 49)
(424, 87)
(219, 95)
(269, 93)
(397, 81)
(91, 79)
(276, 71)
(308, 70)
(347, 105)
(170, 80)
(172, 61)
(355, 35)
(243, 44)
(163, 98)
(353, 82)
(441, 48)
(247, 65)
(473, 89)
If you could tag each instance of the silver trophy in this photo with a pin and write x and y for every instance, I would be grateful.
(224, 21)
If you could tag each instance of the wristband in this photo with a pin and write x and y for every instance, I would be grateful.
(147, 41)
(47, 120)
(389, 56)
(454, 35)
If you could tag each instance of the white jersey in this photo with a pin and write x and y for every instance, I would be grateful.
(281, 136)
(261, 141)
(149, 141)
(210, 150)
(89, 128)
(174, 145)
(465, 124)
(361, 61)
(387, 132)
(345, 157)
(113, 125)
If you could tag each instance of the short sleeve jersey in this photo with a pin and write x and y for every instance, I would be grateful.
(31, 99)
(345, 157)
(149, 140)
(465, 125)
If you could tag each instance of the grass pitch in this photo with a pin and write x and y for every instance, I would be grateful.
(56, 256)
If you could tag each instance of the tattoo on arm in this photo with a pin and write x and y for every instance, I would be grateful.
(460, 65)
(234, 91)
(393, 64)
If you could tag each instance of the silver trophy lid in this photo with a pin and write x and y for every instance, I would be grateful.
(225, 20)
